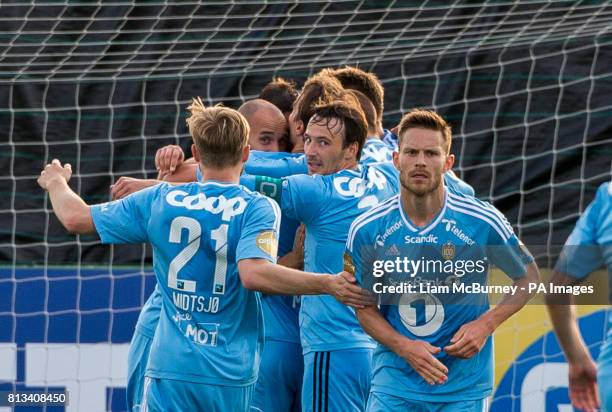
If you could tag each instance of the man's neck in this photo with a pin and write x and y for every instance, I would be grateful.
(348, 164)
(225, 175)
(422, 209)
(298, 146)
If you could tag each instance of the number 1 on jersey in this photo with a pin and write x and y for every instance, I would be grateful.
(219, 235)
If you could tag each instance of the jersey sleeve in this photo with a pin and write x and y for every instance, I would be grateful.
(275, 164)
(260, 231)
(581, 253)
(452, 181)
(125, 220)
(504, 249)
(303, 197)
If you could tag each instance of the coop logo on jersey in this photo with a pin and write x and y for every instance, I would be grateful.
(227, 207)
(267, 242)
(380, 239)
(356, 186)
(451, 226)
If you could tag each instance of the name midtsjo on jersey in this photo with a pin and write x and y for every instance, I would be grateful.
(194, 303)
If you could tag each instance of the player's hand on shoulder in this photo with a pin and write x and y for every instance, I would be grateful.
(583, 384)
(127, 185)
(345, 289)
(469, 339)
(167, 159)
(420, 355)
(53, 171)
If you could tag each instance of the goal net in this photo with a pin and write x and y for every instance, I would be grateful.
(104, 84)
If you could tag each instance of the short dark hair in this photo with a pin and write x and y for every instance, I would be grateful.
(368, 109)
(426, 119)
(365, 82)
(316, 89)
(281, 93)
(345, 108)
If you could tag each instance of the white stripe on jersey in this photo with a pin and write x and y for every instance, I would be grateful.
(452, 206)
(374, 209)
(494, 214)
(277, 214)
(356, 225)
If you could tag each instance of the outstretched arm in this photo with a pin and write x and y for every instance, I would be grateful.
(69, 208)
(267, 277)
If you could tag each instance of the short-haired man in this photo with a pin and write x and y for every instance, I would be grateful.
(435, 350)
(267, 126)
(214, 244)
(336, 190)
(588, 248)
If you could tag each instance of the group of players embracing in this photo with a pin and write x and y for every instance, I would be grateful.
(262, 242)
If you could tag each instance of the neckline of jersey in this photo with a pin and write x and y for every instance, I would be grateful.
(427, 228)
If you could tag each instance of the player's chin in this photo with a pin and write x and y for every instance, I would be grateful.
(315, 169)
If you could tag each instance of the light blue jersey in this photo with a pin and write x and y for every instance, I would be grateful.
(210, 329)
(327, 205)
(276, 164)
(140, 346)
(149, 315)
(458, 246)
(588, 248)
(280, 164)
(374, 151)
(390, 139)
(280, 312)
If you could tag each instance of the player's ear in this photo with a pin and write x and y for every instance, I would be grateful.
(299, 128)
(450, 161)
(396, 159)
(246, 150)
(195, 152)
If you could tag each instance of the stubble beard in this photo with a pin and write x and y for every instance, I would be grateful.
(421, 192)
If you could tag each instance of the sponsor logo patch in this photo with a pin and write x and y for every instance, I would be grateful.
(267, 242)
(348, 264)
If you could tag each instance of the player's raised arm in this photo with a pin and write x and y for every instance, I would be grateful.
(69, 208)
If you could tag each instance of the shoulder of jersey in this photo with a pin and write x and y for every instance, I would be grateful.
(372, 216)
(481, 211)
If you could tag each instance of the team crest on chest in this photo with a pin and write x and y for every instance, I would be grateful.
(448, 251)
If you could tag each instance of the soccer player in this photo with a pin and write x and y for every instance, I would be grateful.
(435, 353)
(268, 126)
(214, 245)
(281, 93)
(588, 248)
(337, 352)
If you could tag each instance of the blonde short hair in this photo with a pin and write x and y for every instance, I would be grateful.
(219, 133)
